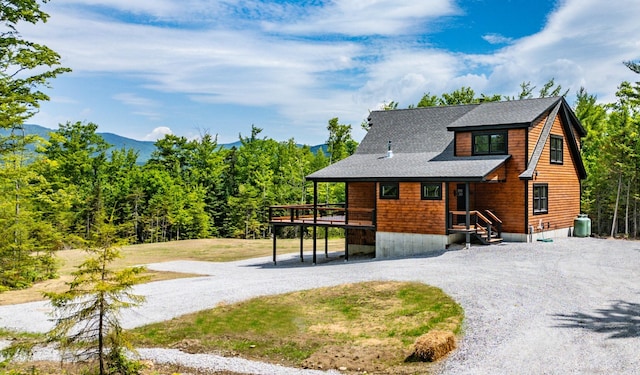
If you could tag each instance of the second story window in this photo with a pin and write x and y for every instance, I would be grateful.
(556, 149)
(490, 143)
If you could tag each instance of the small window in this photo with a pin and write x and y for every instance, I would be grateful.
(556, 149)
(431, 191)
(540, 199)
(490, 143)
(389, 190)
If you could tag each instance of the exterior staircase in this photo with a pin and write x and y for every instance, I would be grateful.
(490, 232)
(482, 234)
(485, 227)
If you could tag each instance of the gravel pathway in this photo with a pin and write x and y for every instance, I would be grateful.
(567, 307)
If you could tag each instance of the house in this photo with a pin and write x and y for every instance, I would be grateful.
(424, 178)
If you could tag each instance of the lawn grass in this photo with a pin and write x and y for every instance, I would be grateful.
(370, 326)
(210, 250)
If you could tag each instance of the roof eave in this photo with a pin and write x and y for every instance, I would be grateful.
(521, 125)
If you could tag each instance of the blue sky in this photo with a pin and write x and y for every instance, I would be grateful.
(147, 67)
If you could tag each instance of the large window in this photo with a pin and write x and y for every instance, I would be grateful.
(389, 190)
(556, 149)
(540, 199)
(431, 191)
(490, 143)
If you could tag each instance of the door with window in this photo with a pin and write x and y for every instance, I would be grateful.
(461, 203)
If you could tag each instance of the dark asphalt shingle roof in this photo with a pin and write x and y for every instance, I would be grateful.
(422, 142)
(514, 112)
(410, 166)
(411, 130)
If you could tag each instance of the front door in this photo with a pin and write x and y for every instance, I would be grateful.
(461, 197)
(461, 204)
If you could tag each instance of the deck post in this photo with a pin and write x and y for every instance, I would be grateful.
(274, 243)
(315, 230)
(467, 215)
(301, 242)
(326, 242)
(346, 244)
(315, 219)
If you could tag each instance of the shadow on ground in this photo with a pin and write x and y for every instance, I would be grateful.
(293, 261)
(338, 258)
(621, 320)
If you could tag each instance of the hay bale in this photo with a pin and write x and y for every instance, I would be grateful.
(433, 345)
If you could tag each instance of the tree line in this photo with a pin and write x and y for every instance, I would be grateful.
(56, 196)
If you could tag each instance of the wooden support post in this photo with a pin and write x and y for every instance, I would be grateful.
(315, 219)
(448, 222)
(326, 242)
(301, 242)
(467, 215)
(346, 244)
(315, 234)
(275, 232)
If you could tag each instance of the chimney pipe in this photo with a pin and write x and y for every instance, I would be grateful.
(389, 151)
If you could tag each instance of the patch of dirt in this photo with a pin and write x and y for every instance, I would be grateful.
(358, 359)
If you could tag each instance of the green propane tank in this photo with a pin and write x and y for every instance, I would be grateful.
(582, 226)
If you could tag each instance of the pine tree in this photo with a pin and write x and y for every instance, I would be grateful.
(87, 316)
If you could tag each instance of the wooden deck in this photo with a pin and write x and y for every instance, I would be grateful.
(324, 216)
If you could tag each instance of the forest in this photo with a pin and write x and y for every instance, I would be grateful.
(53, 194)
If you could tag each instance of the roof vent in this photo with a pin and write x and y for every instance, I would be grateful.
(389, 151)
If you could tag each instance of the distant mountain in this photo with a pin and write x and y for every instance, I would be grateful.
(144, 148)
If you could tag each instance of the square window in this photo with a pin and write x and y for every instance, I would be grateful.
(389, 190)
(431, 191)
(540, 199)
(555, 147)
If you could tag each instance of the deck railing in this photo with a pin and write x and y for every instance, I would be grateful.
(322, 214)
(477, 221)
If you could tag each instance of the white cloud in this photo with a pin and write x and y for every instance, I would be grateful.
(373, 17)
(134, 100)
(158, 133)
(497, 39)
(308, 80)
(144, 107)
(159, 10)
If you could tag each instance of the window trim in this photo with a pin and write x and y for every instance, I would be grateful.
(424, 196)
(555, 150)
(395, 185)
(503, 133)
(537, 206)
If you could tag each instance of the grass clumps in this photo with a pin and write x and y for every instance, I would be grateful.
(368, 326)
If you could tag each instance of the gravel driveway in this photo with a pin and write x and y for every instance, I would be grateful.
(571, 306)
